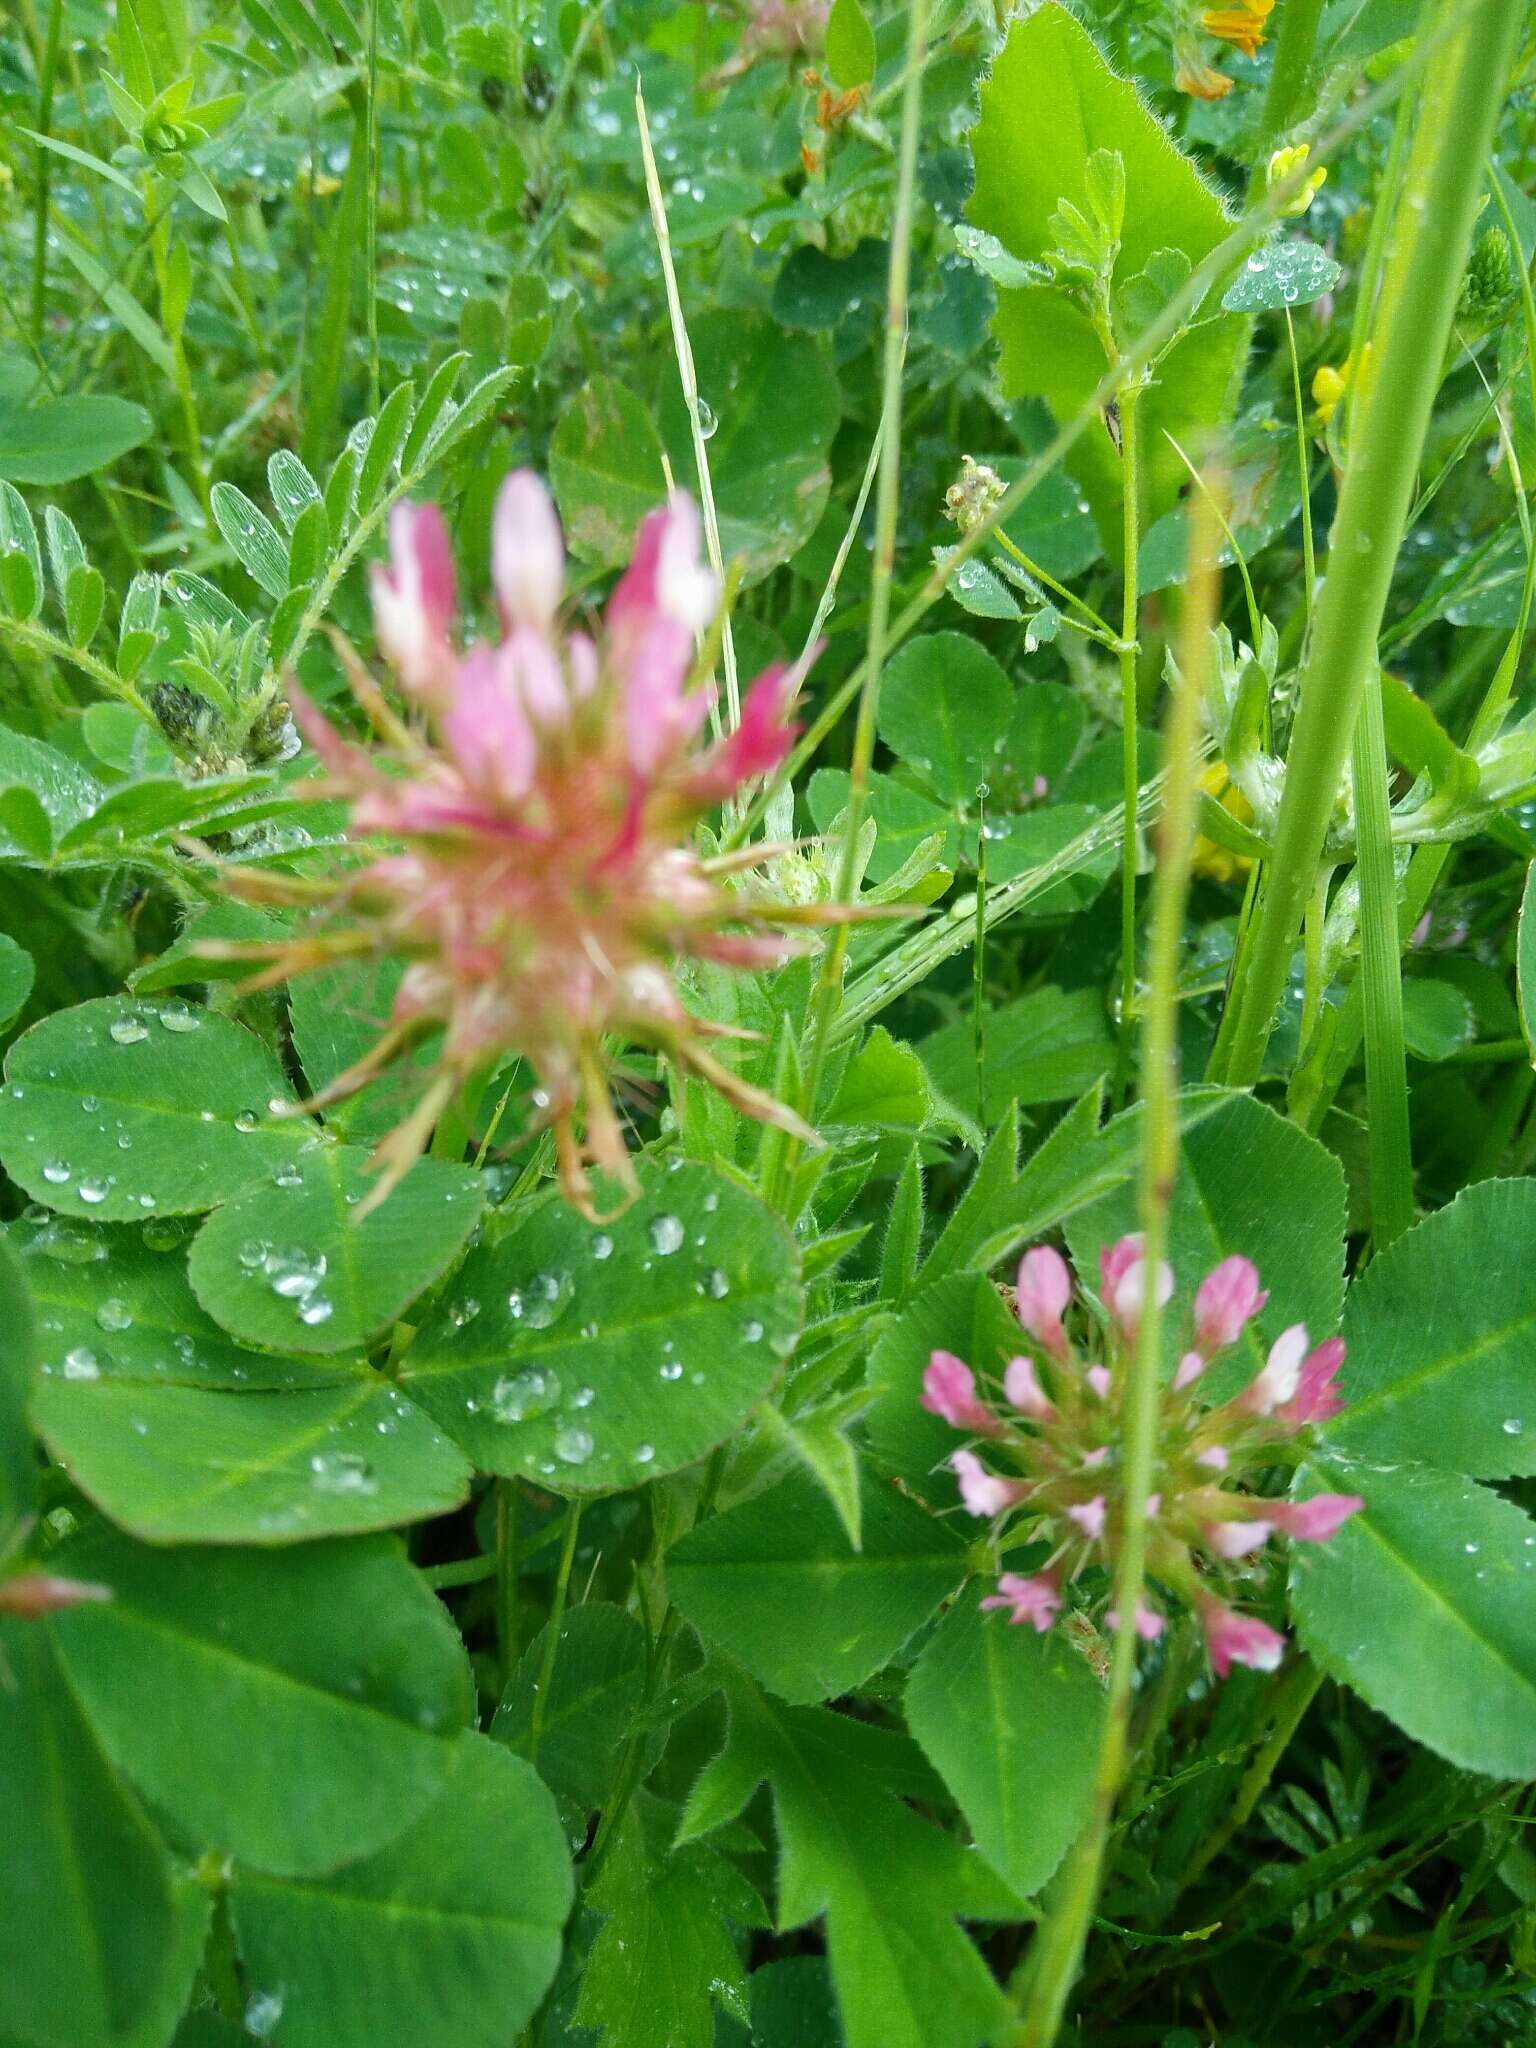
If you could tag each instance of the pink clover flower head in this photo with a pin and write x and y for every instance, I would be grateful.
(981, 1491)
(1227, 1299)
(543, 877)
(949, 1391)
(1233, 1638)
(1036, 1600)
(1055, 1432)
(1021, 1383)
(1043, 1291)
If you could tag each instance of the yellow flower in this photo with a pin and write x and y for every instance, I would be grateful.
(1198, 79)
(1241, 26)
(1281, 166)
(1330, 384)
(1219, 863)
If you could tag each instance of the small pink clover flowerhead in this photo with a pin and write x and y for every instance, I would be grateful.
(1052, 1427)
(541, 875)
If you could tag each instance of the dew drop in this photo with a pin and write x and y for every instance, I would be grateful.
(520, 1396)
(462, 1312)
(342, 1472)
(93, 1191)
(81, 1364)
(643, 1453)
(573, 1446)
(127, 1031)
(316, 1310)
(602, 1246)
(1513, 1425)
(114, 1314)
(672, 1370)
(55, 1172)
(180, 1017)
(246, 1120)
(666, 1234)
(752, 1331)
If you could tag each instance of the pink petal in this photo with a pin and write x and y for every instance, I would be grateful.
(1234, 1638)
(1280, 1377)
(981, 1491)
(949, 1391)
(758, 744)
(527, 553)
(1316, 1398)
(1036, 1600)
(1130, 1294)
(1319, 1519)
(1115, 1260)
(1099, 1378)
(1044, 1289)
(487, 727)
(414, 596)
(1227, 1298)
(1238, 1539)
(1191, 1365)
(1214, 1457)
(1089, 1516)
(1022, 1385)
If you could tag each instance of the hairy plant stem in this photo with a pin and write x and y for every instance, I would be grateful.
(1053, 1964)
(1130, 479)
(829, 985)
(1461, 99)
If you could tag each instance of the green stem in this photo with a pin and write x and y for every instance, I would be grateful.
(1054, 1964)
(552, 1628)
(1102, 629)
(44, 172)
(887, 489)
(1386, 1062)
(1294, 45)
(1461, 100)
(1130, 767)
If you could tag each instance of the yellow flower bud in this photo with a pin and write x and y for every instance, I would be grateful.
(1282, 165)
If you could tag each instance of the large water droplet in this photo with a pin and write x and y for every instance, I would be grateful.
(127, 1031)
(55, 1172)
(519, 1396)
(81, 1364)
(92, 1190)
(573, 1446)
(342, 1472)
(114, 1314)
(180, 1017)
(666, 1234)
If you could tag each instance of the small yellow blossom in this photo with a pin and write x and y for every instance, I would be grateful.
(1241, 26)
(1198, 79)
(1281, 166)
(1215, 862)
(1330, 384)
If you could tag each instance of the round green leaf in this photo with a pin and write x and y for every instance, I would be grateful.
(1282, 274)
(944, 708)
(775, 404)
(85, 1883)
(775, 1583)
(293, 1268)
(1011, 1721)
(117, 1109)
(452, 1931)
(189, 1465)
(605, 465)
(1422, 1602)
(293, 1708)
(115, 1303)
(594, 1356)
(595, 1690)
(1440, 1330)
